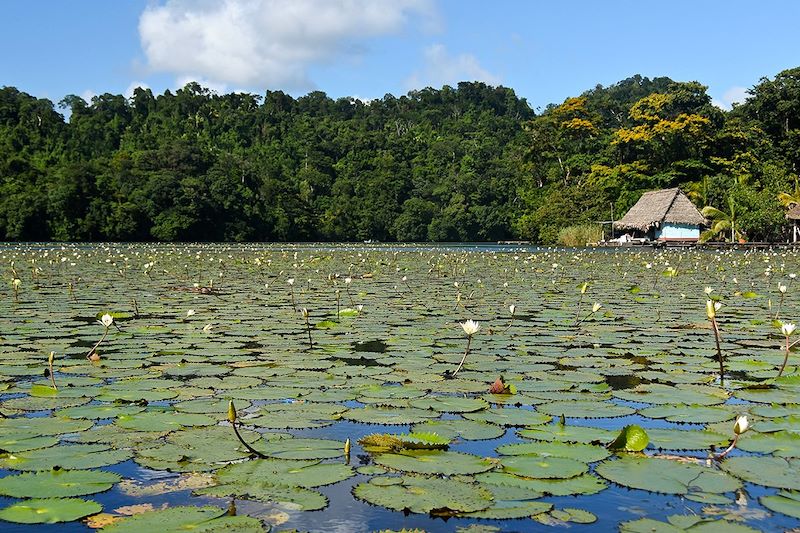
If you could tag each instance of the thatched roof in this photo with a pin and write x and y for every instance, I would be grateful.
(656, 207)
(794, 213)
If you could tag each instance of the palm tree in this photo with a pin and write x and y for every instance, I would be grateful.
(721, 221)
(789, 200)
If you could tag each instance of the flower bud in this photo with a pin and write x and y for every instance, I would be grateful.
(741, 425)
(231, 412)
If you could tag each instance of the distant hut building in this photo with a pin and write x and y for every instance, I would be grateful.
(665, 215)
(794, 215)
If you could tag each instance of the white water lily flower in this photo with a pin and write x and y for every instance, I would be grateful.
(596, 307)
(107, 320)
(711, 308)
(512, 309)
(470, 327)
(782, 288)
(741, 425)
(207, 327)
(787, 328)
(708, 290)
(304, 312)
(290, 281)
(190, 312)
(348, 281)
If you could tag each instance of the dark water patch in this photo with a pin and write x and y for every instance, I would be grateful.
(623, 382)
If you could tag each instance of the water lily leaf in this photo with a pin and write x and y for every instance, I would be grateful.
(57, 483)
(541, 467)
(632, 438)
(585, 409)
(298, 415)
(569, 433)
(299, 497)
(35, 427)
(697, 414)
(784, 502)
(586, 453)
(166, 420)
(511, 502)
(666, 476)
(459, 428)
(307, 474)
(450, 404)
(434, 462)
(419, 494)
(384, 442)
(768, 471)
(648, 525)
(657, 393)
(14, 445)
(231, 524)
(74, 456)
(299, 448)
(509, 416)
(584, 484)
(390, 415)
(170, 519)
(678, 439)
(99, 411)
(49, 510)
(779, 443)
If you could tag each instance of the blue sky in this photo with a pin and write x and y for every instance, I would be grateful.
(545, 50)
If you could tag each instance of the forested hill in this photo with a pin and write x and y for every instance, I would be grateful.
(472, 163)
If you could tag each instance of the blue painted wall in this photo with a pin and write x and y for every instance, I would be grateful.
(677, 231)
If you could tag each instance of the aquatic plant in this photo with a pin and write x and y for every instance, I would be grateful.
(711, 312)
(740, 426)
(106, 321)
(470, 328)
(787, 328)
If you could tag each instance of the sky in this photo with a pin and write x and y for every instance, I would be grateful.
(545, 50)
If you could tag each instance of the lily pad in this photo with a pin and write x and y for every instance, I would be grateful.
(419, 494)
(666, 476)
(57, 483)
(49, 510)
(434, 462)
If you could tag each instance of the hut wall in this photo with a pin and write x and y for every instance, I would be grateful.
(671, 231)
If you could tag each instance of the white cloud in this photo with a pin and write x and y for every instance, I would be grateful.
(133, 86)
(734, 95)
(265, 43)
(87, 95)
(441, 68)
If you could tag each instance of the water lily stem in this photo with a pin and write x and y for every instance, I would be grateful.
(785, 357)
(715, 327)
(308, 329)
(466, 352)
(50, 368)
(94, 348)
(249, 448)
(727, 451)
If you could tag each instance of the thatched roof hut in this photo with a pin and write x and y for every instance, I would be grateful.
(663, 210)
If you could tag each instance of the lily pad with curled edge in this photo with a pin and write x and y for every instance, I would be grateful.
(768, 471)
(658, 394)
(585, 409)
(695, 414)
(162, 420)
(509, 416)
(459, 428)
(179, 518)
(569, 433)
(779, 443)
(541, 467)
(390, 415)
(74, 456)
(679, 439)
(384, 442)
(49, 510)
(301, 448)
(631, 438)
(262, 490)
(511, 502)
(99, 411)
(666, 476)
(785, 502)
(586, 453)
(434, 462)
(583, 484)
(419, 494)
(450, 404)
(57, 483)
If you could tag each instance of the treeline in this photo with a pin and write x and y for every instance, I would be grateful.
(472, 163)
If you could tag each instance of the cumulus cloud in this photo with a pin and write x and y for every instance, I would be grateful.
(442, 68)
(734, 95)
(265, 43)
(133, 86)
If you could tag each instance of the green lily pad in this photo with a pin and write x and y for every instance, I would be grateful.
(585, 409)
(299, 448)
(262, 490)
(666, 476)
(784, 502)
(768, 471)
(511, 502)
(509, 416)
(586, 453)
(390, 415)
(166, 420)
(292, 473)
(459, 428)
(419, 494)
(49, 510)
(57, 483)
(541, 467)
(179, 518)
(583, 484)
(73, 457)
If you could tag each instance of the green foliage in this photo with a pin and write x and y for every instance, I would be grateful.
(470, 163)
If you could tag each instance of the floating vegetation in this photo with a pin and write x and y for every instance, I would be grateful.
(254, 383)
